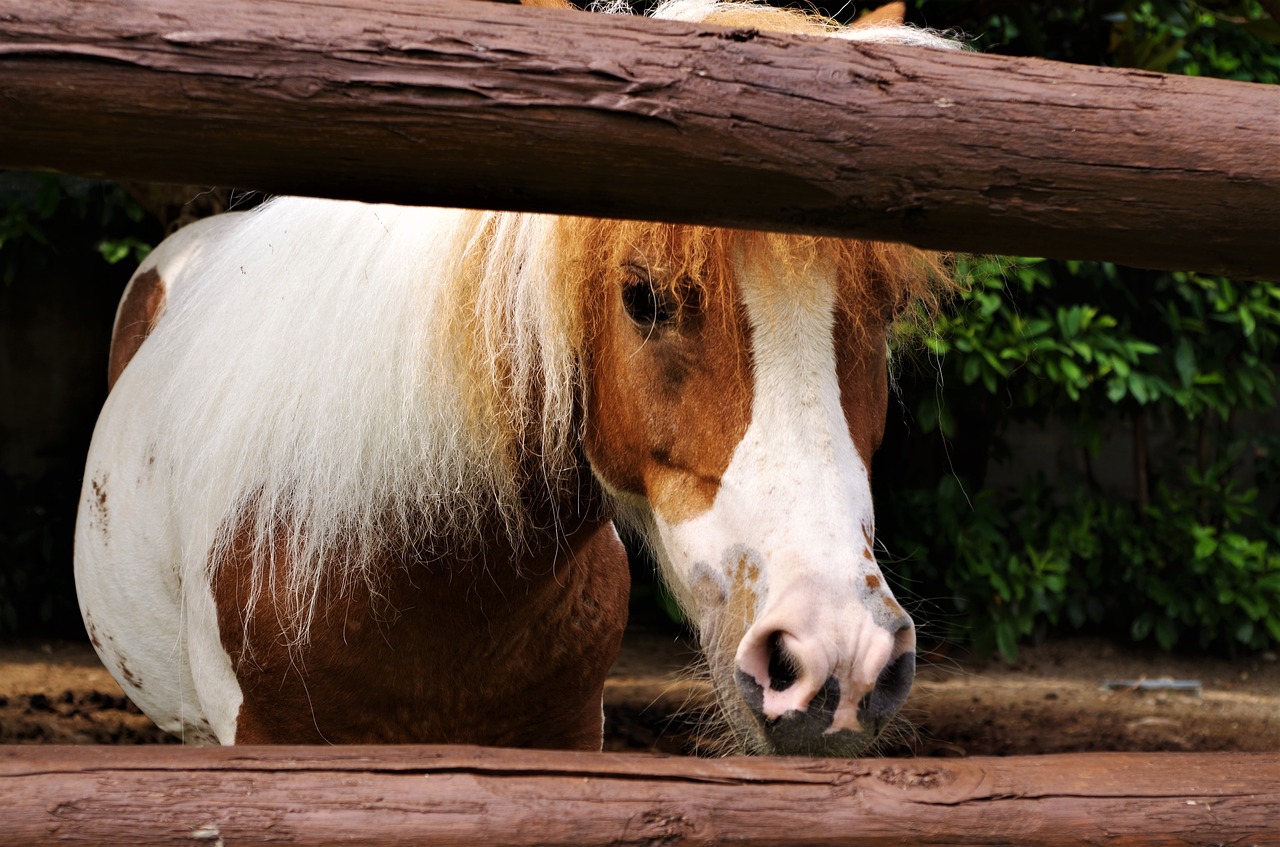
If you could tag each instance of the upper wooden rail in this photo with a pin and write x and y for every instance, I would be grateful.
(498, 106)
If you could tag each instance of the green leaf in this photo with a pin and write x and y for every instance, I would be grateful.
(1138, 388)
(1185, 362)
(1069, 321)
(1072, 371)
(1247, 322)
(1036, 327)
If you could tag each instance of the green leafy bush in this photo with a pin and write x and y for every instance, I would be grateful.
(1212, 573)
(1189, 553)
(1019, 565)
(1191, 557)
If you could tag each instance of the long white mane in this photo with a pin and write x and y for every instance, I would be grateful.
(332, 377)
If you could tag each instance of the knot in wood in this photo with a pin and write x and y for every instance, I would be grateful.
(900, 776)
(657, 827)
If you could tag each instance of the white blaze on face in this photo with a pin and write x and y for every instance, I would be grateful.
(791, 527)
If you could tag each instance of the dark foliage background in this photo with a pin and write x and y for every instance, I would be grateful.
(1076, 446)
(1157, 517)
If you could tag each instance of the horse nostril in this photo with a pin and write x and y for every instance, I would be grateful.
(783, 667)
(892, 687)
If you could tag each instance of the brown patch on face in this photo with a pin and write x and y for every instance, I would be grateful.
(513, 652)
(873, 581)
(738, 599)
(707, 590)
(862, 370)
(135, 319)
(893, 606)
(743, 598)
(668, 402)
(877, 284)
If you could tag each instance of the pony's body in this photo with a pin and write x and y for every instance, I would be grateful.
(356, 476)
(485, 611)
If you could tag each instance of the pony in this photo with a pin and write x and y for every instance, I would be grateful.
(359, 472)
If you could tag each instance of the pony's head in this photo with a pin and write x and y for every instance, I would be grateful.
(736, 390)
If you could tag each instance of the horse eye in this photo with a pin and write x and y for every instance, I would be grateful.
(644, 305)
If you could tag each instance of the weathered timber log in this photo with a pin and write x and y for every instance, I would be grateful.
(439, 795)
(497, 106)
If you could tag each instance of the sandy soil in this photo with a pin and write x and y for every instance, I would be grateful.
(1050, 701)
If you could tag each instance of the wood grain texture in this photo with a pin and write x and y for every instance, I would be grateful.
(498, 106)
(459, 795)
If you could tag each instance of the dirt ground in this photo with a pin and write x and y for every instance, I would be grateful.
(1051, 701)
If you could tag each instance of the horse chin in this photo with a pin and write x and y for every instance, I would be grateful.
(844, 744)
(796, 733)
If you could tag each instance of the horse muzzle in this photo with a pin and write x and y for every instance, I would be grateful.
(806, 699)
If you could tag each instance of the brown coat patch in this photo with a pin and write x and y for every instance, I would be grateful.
(479, 646)
(668, 405)
(136, 318)
(862, 370)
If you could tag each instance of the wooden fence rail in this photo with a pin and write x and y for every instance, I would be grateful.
(430, 796)
(498, 106)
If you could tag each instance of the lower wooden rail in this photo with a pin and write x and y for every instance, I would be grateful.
(463, 795)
